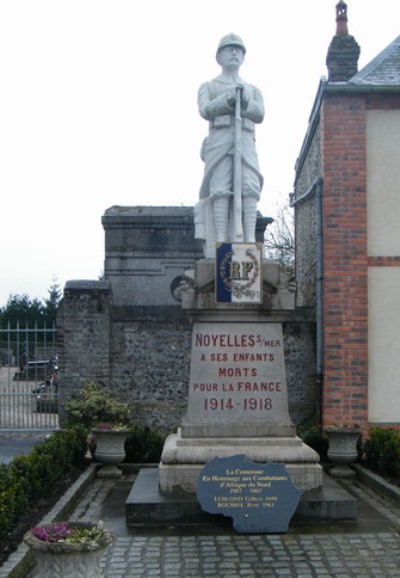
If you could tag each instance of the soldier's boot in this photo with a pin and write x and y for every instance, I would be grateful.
(249, 219)
(221, 217)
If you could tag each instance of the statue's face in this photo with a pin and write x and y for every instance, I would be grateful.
(230, 57)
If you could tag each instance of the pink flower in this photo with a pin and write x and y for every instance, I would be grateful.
(52, 533)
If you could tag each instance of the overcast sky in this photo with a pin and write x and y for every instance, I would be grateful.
(98, 107)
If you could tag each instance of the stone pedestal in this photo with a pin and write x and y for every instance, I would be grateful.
(146, 506)
(183, 458)
(237, 388)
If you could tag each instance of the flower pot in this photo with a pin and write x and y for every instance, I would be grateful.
(110, 449)
(63, 560)
(342, 446)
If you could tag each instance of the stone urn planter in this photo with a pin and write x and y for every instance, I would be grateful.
(342, 447)
(110, 449)
(63, 550)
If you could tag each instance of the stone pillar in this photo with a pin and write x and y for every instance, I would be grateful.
(147, 250)
(84, 321)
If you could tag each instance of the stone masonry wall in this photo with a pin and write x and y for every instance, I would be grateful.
(83, 336)
(305, 222)
(130, 332)
(150, 364)
(299, 344)
(147, 361)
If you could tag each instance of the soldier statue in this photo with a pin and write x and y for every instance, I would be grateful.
(227, 207)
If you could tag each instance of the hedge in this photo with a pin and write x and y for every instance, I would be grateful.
(27, 479)
(382, 450)
(144, 445)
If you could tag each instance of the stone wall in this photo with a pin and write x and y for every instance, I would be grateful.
(147, 249)
(299, 341)
(141, 347)
(150, 363)
(83, 336)
(148, 360)
(306, 223)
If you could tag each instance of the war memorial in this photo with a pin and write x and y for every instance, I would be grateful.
(206, 339)
(197, 328)
(206, 336)
(236, 452)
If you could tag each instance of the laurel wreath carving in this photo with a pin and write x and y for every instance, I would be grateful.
(237, 288)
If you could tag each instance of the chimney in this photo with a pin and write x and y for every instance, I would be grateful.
(343, 53)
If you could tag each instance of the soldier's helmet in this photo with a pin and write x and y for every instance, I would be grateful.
(231, 40)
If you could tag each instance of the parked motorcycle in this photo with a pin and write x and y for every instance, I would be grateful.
(46, 393)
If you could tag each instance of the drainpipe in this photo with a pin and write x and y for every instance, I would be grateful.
(318, 295)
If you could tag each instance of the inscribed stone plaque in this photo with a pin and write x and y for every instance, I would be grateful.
(237, 374)
(260, 498)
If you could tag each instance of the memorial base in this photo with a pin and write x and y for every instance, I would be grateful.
(147, 506)
(183, 458)
(238, 398)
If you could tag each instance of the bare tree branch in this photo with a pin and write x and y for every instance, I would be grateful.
(279, 240)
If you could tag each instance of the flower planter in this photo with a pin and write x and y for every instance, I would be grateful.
(110, 449)
(64, 560)
(342, 446)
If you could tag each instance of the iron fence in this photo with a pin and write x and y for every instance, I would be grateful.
(28, 378)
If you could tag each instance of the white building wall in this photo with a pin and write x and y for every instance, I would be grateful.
(383, 194)
(384, 344)
(383, 182)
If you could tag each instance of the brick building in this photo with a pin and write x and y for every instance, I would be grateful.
(347, 214)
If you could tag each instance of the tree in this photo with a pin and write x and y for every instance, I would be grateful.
(28, 312)
(279, 240)
(22, 309)
(52, 303)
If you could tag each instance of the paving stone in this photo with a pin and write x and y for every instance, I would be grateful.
(298, 554)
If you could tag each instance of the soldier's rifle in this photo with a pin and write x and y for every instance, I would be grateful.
(237, 169)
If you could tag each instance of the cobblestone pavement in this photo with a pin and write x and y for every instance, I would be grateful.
(368, 548)
(251, 556)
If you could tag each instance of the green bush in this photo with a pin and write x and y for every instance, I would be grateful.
(312, 437)
(143, 445)
(95, 404)
(382, 450)
(13, 500)
(28, 478)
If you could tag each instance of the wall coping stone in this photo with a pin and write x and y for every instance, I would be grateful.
(87, 285)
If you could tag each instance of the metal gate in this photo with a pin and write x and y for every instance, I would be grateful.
(28, 379)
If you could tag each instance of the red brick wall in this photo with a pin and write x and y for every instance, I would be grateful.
(345, 258)
(345, 262)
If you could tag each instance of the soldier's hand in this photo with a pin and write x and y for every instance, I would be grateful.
(231, 97)
(245, 98)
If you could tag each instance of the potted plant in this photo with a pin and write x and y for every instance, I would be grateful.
(66, 549)
(109, 440)
(342, 439)
(108, 419)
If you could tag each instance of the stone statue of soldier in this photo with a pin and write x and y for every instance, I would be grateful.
(232, 108)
